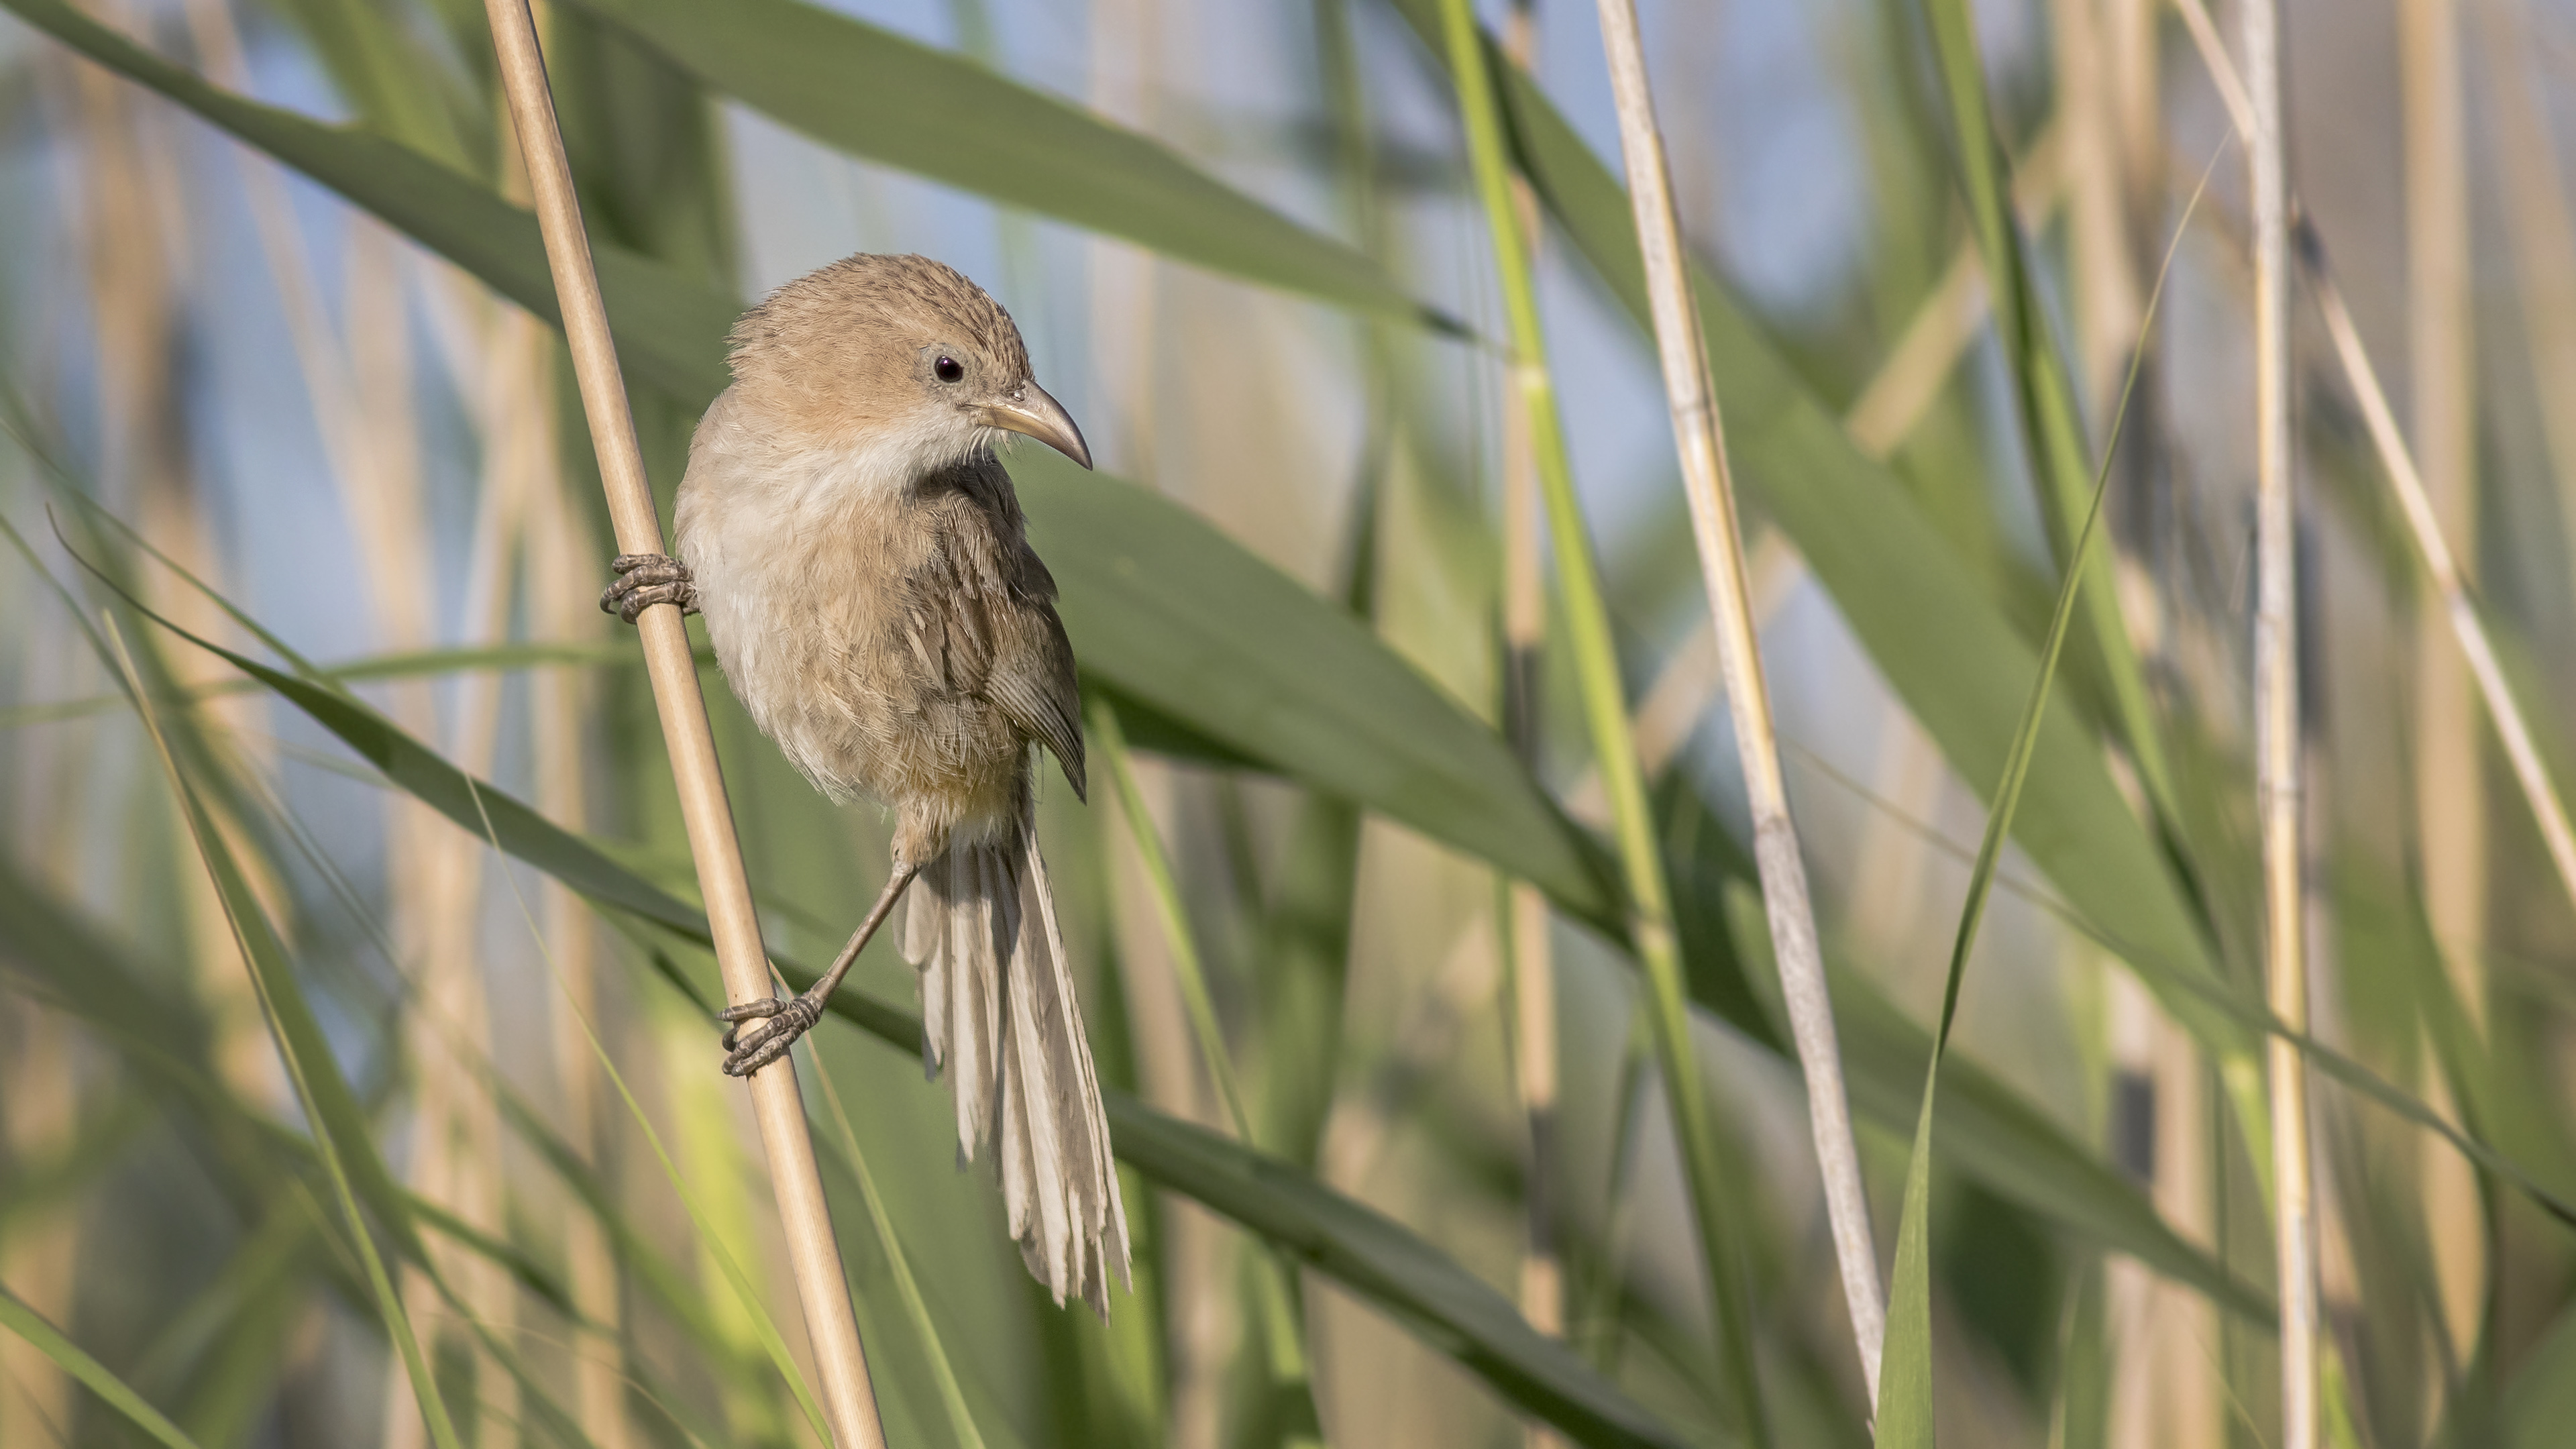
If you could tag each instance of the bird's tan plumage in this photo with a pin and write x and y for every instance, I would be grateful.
(860, 560)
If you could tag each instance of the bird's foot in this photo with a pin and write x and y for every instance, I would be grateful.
(781, 1023)
(646, 579)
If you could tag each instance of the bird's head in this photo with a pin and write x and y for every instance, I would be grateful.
(896, 351)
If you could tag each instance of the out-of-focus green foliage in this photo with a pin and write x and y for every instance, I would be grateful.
(225, 1037)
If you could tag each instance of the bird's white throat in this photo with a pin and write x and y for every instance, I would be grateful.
(882, 466)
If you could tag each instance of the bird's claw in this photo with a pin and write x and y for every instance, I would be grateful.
(646, 579)
(782, 1022)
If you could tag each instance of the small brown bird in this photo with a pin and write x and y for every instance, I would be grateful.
(859, 557)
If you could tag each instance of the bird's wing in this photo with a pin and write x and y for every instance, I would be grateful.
(1033, 683)
(982, 610)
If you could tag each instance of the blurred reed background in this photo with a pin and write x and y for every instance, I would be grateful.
(298, 985)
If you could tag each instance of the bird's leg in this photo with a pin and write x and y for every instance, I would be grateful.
(782, 1022)
(646, 579)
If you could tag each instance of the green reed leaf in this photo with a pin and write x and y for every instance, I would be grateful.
(340, 1135)
(1412, 1281)
(48, 1340)
(880, 95)
(1929, 625)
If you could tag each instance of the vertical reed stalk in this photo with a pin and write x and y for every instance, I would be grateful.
(2539, 792)
(112, 207)
(2162, 1388)
(41, 1251)
(2541, 227)
(2440, 347)
(2277, 734)
(555, 570)
(849, 1403)
(1699, 432)
(2450, 794)
(2109, 300)
(1127, 311)
(38, 1109)
(561, 607)
(1650, 920)
(453, 1012)
(431, 869)
(1126, 282)
(360, 398)
(2522, 751)
(1526, 936)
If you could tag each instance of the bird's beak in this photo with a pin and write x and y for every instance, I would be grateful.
(1031, 412)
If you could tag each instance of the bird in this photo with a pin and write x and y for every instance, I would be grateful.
(848, 535)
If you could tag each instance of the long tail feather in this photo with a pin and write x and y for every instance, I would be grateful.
(1000, 1015)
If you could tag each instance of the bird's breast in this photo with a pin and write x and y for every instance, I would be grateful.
(802, 590)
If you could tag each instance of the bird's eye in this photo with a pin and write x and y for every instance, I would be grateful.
(949, 369)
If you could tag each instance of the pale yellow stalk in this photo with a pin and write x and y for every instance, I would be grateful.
(438, 872)
(849, 1402)
(2549, 813)
(38, 1113)
(2450, 783)
(37, 1260)
(125, 221)
(1886, 412)
(560, 556)
(2413, 502)
(361, 403)
(1698, 430)
(2110, 302)
(2539, 225)
(2163, 1390)
(2278, 741)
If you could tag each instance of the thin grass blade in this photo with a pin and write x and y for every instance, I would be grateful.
(340, 1136)
(48, 1340)
(772, 1342)
(952, 1397)
(1905, 1385)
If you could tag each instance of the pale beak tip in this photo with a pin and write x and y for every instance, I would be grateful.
(1032, 413)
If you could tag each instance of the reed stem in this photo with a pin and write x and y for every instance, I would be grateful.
(849, 1402)
(1699, 432)
(2277, 735)
(2451, 815)
(1605, 706)
(2548, 807)
(2521, 750)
